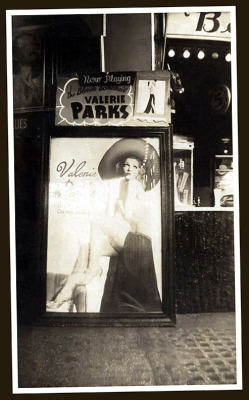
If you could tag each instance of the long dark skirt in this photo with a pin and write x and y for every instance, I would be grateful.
(131, 284)
(151, 105)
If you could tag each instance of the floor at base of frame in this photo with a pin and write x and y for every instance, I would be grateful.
(200, 350)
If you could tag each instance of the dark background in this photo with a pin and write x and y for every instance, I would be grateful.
(194, 115)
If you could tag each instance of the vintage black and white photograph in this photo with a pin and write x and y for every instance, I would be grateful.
(124, 199)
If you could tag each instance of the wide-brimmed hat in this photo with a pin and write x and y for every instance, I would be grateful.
(128, 147)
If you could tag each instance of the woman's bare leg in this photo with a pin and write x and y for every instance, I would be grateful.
(82, 259)
(78, 269)
(106, 239)
(79, 298)
(99, 246)
(87, 264)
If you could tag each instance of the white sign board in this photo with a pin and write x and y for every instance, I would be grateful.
(199, 25)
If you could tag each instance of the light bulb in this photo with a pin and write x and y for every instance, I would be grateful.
(186, 54)
(201, 55)
(171, 53)
(215, 55)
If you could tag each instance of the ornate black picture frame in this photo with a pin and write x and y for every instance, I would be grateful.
(135, 286)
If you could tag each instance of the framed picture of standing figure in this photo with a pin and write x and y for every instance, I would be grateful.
(107, 231)
(152, 96)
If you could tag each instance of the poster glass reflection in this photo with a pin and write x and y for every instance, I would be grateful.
(105, 233)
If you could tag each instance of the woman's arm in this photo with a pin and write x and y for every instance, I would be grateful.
(134, 198)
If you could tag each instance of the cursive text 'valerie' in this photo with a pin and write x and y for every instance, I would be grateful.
(74, 171)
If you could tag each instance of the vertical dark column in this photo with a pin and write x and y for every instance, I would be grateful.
(29, 219)
(128, 42)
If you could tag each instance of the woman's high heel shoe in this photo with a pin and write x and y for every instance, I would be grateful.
(54, 306)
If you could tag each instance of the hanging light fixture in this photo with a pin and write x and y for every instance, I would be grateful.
(171, 53)
(186, 53)
(200, 54)
(215, 55)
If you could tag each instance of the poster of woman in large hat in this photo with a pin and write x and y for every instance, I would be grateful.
(104, 225)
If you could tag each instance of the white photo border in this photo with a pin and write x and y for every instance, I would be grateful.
(16, 389)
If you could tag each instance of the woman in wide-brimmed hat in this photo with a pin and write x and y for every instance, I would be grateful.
(129, 159)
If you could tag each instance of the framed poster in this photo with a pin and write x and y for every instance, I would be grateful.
(33, 69)
(107, 239)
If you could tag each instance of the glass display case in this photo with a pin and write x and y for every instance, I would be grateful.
(183, 172)
(223, 181)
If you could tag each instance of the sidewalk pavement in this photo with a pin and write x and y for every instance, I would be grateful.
(200, 350)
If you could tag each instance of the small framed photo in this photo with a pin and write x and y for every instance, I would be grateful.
(30, 69)
(106, 255)
(152, 95)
